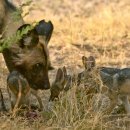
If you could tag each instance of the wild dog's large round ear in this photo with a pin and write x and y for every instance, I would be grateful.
(45, 30)
(29, 36)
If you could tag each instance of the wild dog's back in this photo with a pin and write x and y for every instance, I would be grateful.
(10, 22)
(29, 58)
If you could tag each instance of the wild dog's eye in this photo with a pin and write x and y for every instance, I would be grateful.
(37, 67)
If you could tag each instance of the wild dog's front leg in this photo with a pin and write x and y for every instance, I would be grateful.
(126, 103)
(34, 92)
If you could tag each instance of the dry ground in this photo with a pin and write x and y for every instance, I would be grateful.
(81, 27)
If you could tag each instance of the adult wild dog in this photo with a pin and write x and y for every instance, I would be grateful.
(28, 55)
(30, 58)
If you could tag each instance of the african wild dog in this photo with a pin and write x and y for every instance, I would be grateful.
(29, 57)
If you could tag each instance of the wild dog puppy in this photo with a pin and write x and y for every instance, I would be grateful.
(62, 82)
(45, 30)
(20, 91)
(2, 105)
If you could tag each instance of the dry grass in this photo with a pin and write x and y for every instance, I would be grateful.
(98, 27)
